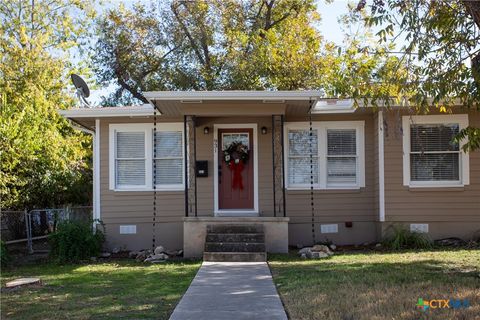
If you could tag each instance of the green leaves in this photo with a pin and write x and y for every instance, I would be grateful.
(213, 45)
(437, 43)
(470, 137)
(44, 162)
(74, 241)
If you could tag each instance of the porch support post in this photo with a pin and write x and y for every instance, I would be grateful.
(190, 165)
(278, 163)
(273, 168)
(282, 126)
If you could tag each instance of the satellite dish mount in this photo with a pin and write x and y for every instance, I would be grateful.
(83, 92)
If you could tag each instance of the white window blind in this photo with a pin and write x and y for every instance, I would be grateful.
(433, 154)
(341, 156)
(169, 158)
(299, 168)
(338, 155)
(130, 158)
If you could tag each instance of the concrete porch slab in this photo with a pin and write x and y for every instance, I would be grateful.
(231, 290)
(195, 231)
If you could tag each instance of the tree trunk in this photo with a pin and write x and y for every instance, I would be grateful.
(473, 9)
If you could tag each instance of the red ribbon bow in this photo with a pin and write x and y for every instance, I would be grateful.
(237, 169)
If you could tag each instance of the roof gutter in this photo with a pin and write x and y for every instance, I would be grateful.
(145, 110)
(265, 96)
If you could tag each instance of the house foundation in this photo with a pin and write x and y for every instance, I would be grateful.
(195, 231)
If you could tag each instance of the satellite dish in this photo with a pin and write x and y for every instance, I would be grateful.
(82, 89)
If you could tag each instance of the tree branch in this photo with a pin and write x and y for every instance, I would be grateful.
(473, 9)
(188, 34)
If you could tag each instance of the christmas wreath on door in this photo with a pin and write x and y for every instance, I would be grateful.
(236, 156)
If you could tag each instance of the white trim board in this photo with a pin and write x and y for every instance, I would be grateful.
(381, 168)
(464, 174)
(322, 127)
(255, 210)
(134, 111)
(147, 128)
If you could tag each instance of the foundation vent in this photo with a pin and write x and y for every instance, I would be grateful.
(329, 228)
(419, 227)
(128, 229)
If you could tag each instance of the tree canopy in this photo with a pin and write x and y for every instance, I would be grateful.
(424, 53)
(439, 43)
(43, 161)
(221, 45)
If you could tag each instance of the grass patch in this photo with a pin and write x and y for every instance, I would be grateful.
(378, 285)
(114, 290)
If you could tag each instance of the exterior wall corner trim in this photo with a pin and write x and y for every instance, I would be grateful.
(96, 173)
(381, 168)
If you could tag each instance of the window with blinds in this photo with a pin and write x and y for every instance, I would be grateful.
(341, 156)
(433, 154)
(169, 158)
(299, 167)
(130, 158)
(337, 153)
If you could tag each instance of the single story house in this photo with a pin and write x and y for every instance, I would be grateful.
(304, 168)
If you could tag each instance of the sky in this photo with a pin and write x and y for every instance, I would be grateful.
(329, 28)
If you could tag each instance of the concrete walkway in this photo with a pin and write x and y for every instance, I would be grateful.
(231, 290)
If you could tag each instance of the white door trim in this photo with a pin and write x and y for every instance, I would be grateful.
(234, 212)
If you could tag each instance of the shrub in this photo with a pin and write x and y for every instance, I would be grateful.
(400, 238)
(5, 257)
(74, 241)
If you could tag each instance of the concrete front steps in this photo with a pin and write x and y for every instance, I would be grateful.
(235, 243)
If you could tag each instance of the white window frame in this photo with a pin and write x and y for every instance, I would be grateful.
(147, 128)
(322, 127)
(300, 126)
(464, 167)
(113, 151)
(171, 127)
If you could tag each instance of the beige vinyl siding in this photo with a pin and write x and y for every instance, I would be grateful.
(136, 207)
(122, 206)
(405, 204)
(339, 205)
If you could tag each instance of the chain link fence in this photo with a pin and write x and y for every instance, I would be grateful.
(31, 228)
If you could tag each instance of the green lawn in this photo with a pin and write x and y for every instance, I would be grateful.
(114, 290)
(378, 285)
(346, 286)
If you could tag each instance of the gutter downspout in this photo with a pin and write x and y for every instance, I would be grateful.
(96, 167)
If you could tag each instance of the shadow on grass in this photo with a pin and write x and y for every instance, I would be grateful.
(111, 290)
(377, 285)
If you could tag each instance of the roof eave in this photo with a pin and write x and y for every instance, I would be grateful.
(145, 110)
(233, 95)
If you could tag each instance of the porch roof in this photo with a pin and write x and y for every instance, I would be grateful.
(240, 102)
(217, 103)
(85, 117)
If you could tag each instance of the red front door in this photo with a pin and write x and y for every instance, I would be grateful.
(231, 196)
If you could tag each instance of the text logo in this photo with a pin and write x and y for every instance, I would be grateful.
(442, 304)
